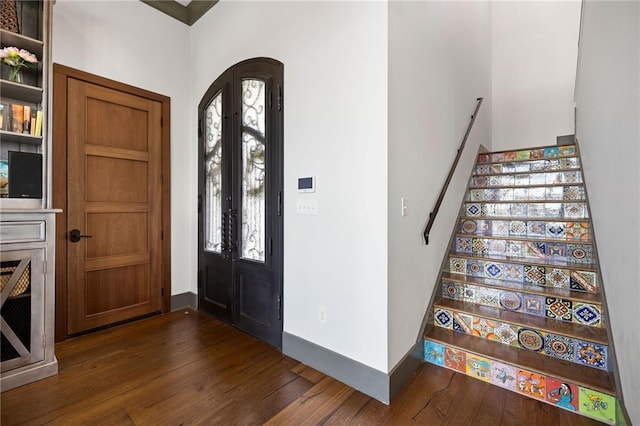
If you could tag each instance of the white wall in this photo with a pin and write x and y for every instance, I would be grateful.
(535, 45)
(133, 43)
(608, 99)
(335, 128)
(439, 63)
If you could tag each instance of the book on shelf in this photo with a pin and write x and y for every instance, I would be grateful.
(18, 118)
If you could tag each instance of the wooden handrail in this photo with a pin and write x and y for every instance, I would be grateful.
(434, 212)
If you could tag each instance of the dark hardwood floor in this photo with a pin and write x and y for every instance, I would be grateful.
(187, 368)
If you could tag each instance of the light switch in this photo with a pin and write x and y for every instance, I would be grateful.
(308, 206)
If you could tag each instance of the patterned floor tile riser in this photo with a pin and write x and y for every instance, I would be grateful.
(579, 399)
(551, 193)
(567, 348)
(569, 231)
(561, 309)
(530, 273)
(558, 210)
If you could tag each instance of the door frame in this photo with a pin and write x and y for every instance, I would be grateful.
(61, 74)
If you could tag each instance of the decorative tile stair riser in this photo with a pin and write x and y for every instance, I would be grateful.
(537, 385)
(520, 304)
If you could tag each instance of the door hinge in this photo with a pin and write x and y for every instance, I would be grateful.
(279, 97)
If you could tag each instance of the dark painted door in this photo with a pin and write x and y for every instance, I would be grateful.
(240, 198)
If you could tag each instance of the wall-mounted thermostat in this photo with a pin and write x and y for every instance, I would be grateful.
(307, 184)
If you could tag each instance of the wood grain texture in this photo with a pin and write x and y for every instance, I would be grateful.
(187, 368)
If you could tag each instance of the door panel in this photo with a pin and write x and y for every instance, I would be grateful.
(114, 154)
(240, 181)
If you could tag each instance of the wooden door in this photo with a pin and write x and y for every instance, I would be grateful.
(114, 206)
(240, 214)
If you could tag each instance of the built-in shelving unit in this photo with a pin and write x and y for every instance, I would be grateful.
(27, 224)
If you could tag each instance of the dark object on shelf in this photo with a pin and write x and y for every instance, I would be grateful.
(9, 16)
(25, 175)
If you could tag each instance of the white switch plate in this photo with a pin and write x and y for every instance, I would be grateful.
(308, 206)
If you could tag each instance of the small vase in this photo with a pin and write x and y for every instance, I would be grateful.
(16, 75)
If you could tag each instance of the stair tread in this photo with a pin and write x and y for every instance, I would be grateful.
(527, 260)
(592, 378)
(549, 325)
(579, 296)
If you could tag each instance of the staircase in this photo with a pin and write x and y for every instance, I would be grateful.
(519, 303)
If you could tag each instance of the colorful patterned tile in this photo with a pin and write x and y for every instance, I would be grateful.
(533, 304)
(503, 209)
(503, 375)
(470, 291)
(478, 245)
(558, 346)
(534, 274)
(537, 210)
(488, 296)
(513, 272)
(452, 290)
(571, 177)
(591, 354)
(497, 247)
(530, 339)
(553, 164)
(457, 265)
(558, 278)
(455, 359)
(521, 180)
(562, 394)
(552, 178)
(483, 169)
(536, 229)
(507, 334)
(534, 250)
(473, 209)
(515, 248)
(475, 268)
(567, 151)
(517, 228)
(521, 194)
(497, 157)
(484, 328)
(443, 318)
(552, 210)
(510, 300)
(536, 154)
(556, 230)
(510, 156)
(539, 165)
(578, 231)
(462, 323)
(573, 193)
(556, 251)
(476, 195)
(523, 155)
(469, 226)
(587, 314)
(523, 166)
(575, 210)
(554, 193)
(496, 168)
(597, 405)
(569, 163)
(463, 245)
(551, 152)
(434, 353)
(519, 209)
(493, 270)
(505, 194)
(488, 210)
(484, 158)
(480, 181)
(479, 367)
(579, 253)
(509, 167)
(531, 384)
(583, 280)
(559, 309)
(490, 194)
(500, 227)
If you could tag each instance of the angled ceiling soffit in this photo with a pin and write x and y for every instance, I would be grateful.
(185, 14)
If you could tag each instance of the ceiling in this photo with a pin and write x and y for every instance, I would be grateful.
(185, 11)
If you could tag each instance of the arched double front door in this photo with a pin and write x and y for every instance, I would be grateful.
(240, 121)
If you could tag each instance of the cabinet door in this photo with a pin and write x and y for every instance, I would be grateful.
(22, 311)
